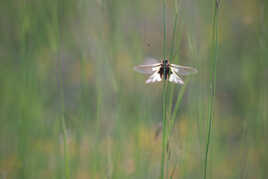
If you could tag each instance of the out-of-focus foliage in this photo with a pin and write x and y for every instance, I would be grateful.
(71, 105)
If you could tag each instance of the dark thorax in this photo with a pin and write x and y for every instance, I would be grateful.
(164, 70)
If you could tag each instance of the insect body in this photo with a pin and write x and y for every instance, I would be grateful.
(165, 70)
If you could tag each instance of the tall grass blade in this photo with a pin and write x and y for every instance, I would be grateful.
(164, 120)
(212, 81)
(171, 58)
(164, 127)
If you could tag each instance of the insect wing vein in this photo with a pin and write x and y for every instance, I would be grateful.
(183, 70)
(147, 69)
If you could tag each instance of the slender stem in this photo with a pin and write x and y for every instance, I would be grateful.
(172, 58)
(171, 90)
(164, 127)
(164, 121)
(212, 81)
(164, 29)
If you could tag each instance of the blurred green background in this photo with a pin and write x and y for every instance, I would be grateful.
(71, 105)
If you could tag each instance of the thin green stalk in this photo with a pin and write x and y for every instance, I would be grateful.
(170, 88)
(164, 127)
(172, 57)
(171, 91)
(212, 81)
(164, 29)
(164, 121)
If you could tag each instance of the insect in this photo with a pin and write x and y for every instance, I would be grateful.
(164, 70)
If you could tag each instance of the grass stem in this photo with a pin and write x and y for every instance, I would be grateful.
(212, 82)
(164, 121)
(164, 127)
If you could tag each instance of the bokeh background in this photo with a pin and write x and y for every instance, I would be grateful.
(71, 105)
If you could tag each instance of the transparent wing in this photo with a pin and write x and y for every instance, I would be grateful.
(155, 77)
(175, 78)
(183, 70)
(147, 69)
(149, 66)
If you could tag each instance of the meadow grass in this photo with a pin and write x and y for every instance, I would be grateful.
(213, 75)
(168, 113)
(164, 97)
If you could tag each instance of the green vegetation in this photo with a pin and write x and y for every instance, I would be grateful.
(71, 105)
(213, 77)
